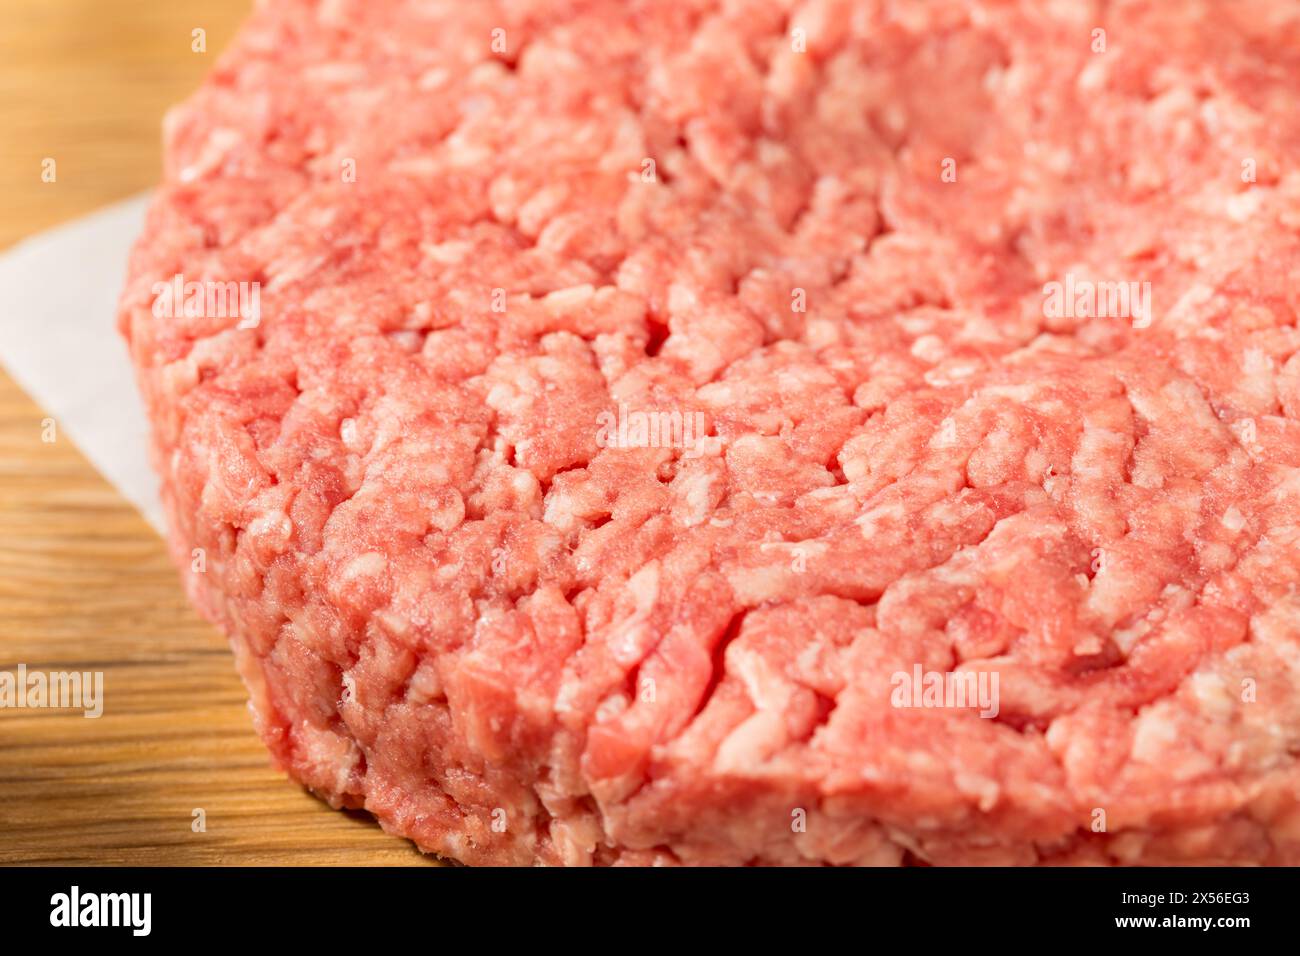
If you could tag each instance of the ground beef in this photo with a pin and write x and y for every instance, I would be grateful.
(471, 590)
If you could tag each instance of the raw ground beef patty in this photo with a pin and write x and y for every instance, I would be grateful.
(644, 395)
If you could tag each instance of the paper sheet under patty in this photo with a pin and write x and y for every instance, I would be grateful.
(59, 341)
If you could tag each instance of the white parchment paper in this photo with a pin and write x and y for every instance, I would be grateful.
(59, 341)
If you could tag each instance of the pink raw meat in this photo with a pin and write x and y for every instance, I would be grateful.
(472, 591)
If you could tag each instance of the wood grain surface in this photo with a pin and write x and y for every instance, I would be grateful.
(85, 584)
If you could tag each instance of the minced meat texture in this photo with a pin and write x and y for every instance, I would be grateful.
(472, 593)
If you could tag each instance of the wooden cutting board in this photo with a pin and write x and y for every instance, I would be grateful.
(85, 583)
